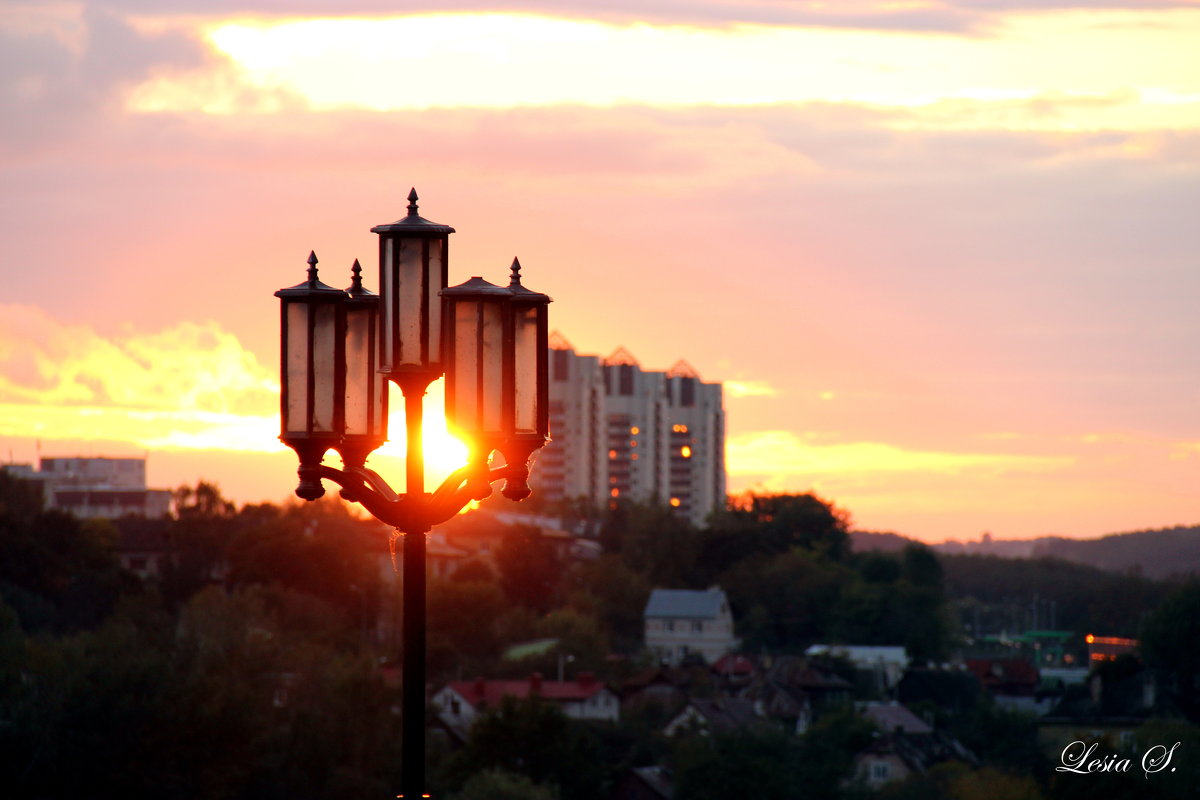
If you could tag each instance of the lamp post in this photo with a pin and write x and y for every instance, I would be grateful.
(339, 350)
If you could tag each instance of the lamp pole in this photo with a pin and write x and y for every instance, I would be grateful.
(340, 349)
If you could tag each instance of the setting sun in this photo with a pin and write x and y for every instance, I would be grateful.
(443, 452)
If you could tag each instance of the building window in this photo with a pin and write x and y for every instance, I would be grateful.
(671, 625)
(687, 392)
(625, 373)
(562, 368)
(880, 771)
(697, 627)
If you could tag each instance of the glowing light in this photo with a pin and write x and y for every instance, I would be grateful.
(444, 452)
(685, 451)
(675, 502)
(1048, 70)
(635, 430)
(615, 492)
(1090, 638)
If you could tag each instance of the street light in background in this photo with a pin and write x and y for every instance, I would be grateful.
(339, 350)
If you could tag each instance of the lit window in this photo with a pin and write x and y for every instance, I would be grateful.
(633, 442)
(615, 492)
(634, 456)
(635, 430)
(612, 453)
(685, 451)
(675, 502)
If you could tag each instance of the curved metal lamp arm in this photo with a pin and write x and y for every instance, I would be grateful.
(367, 488)
(373, 494)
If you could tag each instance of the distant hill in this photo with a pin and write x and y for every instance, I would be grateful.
(865, 541)
(1153, 553)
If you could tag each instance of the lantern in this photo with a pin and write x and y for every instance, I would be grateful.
(312, 372)
(477, 360)
(528, 428)
(496, 371)
(366, 406)
(412, 271)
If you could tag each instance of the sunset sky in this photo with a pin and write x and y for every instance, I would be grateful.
(944, 255)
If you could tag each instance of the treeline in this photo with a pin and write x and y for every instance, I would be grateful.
(1017, 594)
(260, 662)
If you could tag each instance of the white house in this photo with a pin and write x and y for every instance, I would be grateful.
(887, 662)
(680, 622)
(460, 702)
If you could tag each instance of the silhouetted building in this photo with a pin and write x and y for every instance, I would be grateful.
(97, 487)
(619, 431)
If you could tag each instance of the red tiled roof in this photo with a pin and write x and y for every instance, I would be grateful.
(490, 693)
(1003, 671)
(733, 665)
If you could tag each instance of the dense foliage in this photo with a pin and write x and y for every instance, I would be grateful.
(259, 661)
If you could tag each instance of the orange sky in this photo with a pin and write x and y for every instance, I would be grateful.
(942, 254)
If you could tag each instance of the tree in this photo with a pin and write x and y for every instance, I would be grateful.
(770, 524)
(205, 501)
(461, 619)
(1168, 643)
(534, 738)
(530, 572)
(497, 784)
(618, 596)
(654, 541)
(761, 764)
(786, 601)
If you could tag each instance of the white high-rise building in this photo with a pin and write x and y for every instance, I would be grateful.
(619, 431)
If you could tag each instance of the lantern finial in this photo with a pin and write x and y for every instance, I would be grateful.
(515, 279)
(412, 202)
(355, 281)
(312, 267)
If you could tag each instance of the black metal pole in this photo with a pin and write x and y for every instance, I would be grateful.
(412, 754)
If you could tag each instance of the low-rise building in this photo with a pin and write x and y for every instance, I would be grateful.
(683, 622)
(887, 663)
(459, 703)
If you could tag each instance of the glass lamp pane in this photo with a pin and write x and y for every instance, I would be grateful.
(296, 363)
(492, 369)
(360, 375)
(409, 298)
(379, 410)
(525, 369)
(436, 282)
(324, 362)
(466, 367)
(387, 283)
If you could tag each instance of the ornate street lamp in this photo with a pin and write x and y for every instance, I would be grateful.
(312, 369)
(340, 349)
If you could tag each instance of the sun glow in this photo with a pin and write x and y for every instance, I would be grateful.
(443, 451)
(1040, 71)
